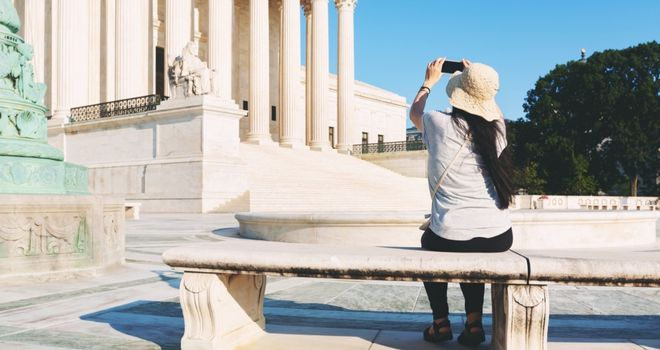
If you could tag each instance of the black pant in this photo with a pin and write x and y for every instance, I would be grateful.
(472, 292)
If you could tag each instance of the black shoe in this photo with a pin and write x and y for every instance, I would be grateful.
(437, 336)
(469, 338)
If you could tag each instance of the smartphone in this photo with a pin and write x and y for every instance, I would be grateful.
(452, 66)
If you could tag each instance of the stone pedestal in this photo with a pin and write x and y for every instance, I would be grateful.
(520, 317)
(44, 237)
(183, 157)
(221, 311)
(49, 226)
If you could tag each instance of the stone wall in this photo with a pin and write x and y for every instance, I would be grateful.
(559, 202)
(183, 157)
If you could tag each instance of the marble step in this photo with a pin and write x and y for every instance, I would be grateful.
(303, 180)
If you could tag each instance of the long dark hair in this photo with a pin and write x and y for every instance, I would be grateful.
(484, 137)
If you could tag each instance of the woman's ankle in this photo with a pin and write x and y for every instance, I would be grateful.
(473, 316)
(444, 329)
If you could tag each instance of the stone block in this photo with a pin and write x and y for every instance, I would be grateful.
(183, 157)
(56, 236)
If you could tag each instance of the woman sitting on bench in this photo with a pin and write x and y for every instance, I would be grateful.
(469, 175)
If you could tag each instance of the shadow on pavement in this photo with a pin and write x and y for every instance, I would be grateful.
(161, 322)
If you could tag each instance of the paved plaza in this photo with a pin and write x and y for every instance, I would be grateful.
(136, 306)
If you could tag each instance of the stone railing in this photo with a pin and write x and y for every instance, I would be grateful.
(383, 147)
(585, 202)
(115, 108)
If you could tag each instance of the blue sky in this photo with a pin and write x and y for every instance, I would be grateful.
(523, 40)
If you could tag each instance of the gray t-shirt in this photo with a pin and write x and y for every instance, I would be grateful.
(465, 206)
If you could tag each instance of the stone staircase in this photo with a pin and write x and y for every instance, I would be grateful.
(303, 180)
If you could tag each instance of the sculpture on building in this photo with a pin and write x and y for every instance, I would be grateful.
(189, 74)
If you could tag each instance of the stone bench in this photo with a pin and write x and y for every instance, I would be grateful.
(132, 210)
(222, 290)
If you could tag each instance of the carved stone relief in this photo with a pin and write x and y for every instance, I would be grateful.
(32, 174)
(43, 235)
(111, 229)
(75, 178)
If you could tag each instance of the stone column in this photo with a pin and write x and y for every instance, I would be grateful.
(94, 94)
(33, 30)
(290, 118)
(108, 47)
(259, 99)
(178, 32)
(196, 32)
(153, 42)
(345, 73)
(132, 48)
(72, 57)
(320, 72)
(221, 19)
(307, 7)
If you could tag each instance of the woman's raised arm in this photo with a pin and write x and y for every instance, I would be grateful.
(433, 74)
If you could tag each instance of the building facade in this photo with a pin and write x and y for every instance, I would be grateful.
(94, 51)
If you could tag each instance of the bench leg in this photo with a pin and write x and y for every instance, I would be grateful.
(221, 311)
(520, 317)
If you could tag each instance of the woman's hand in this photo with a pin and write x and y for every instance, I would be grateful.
(433, 72)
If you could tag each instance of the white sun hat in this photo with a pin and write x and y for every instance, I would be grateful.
(474, 91)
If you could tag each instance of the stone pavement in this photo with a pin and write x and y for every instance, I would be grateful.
(136, 306)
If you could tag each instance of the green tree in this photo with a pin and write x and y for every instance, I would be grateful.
(527, 178)
(591, 125)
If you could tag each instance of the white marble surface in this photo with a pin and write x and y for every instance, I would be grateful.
(335, 261)
(532, 229)
(637, 266)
